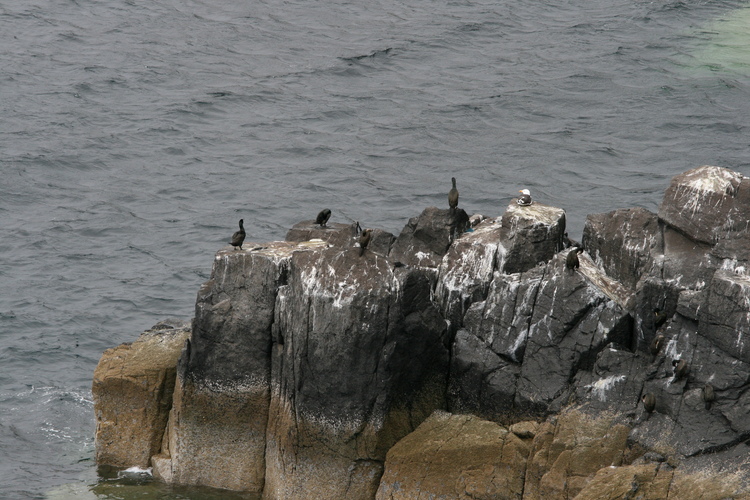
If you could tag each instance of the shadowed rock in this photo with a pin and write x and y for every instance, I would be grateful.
(425, 239)
(359, 360)
(625, 243)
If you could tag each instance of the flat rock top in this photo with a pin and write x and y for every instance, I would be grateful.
(275, 250)
(544, 214)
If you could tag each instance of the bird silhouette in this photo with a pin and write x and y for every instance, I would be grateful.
(708, 395)
(239, 236)
(323, 217)
(453, 195)
(364, 240)
(649, 403)
(571, 261)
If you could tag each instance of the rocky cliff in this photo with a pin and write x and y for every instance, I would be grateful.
(458, 360)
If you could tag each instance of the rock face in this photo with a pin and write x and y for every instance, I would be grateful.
(359, 357)
(133, 386)
(311, 371)
(456, 456)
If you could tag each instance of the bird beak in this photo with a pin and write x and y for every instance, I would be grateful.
(520, 190)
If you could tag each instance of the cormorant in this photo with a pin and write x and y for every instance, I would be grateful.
(453, 196)
(656, 344)
(680, 368)
(708, 395)
(571, 261)
(239, 236)
(323, 217)
(660, 317)
(364, 240)
(649, 401)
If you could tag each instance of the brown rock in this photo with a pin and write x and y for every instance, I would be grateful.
(132, 392)
(455, 457)
(569, 452)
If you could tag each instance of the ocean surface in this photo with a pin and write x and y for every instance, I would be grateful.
(134, 135)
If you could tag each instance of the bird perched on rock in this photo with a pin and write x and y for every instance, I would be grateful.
(660, 317)
(453, 196)
(708, 395)
(525, 198)
(323, 217)
(571, 261)
(364, 240)
(656, 345)
(680, 368)
(649, 401)
(239, 236)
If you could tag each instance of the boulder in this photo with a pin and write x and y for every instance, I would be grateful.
(698, 203)
(456, 457)
(309, 367)
(568, 451)
(681, 425)
(425, 239)
(624, 243)
(482, 382)
(734, 244)
(132, 389)
(530, 235)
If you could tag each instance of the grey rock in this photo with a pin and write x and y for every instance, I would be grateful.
(335, 233)
(482, 382)
(425, 239)
(542, 326)
(466, 271)
(724, 317)
(698, 203)
(530, 235)
(363, 361)
(625, 243)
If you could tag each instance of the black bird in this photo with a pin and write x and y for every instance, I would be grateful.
(656, 345)
(453, 195)
(708, 395)
(649, 402)
(525, 198)
(660, 317)
(364, 240)
(571, 261)
(323, 217)
(680, 368)
(239, 236)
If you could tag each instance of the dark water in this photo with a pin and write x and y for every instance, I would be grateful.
(134, 135)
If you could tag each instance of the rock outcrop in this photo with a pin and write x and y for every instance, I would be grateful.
(312, 371)
(133, 387)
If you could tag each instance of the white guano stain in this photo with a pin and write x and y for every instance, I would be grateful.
(603, 385)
